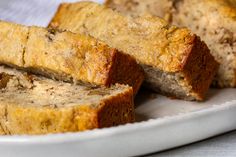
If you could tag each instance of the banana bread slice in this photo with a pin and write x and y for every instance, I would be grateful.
(67, 56)
(213, 20)
(176, 62)
(31, 104)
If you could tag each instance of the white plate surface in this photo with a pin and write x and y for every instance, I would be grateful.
(162, 123)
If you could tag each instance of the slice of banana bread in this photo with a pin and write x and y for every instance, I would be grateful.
(213, 20)
(176, 62)
(31, 104)
(67, 56)
(11, 49)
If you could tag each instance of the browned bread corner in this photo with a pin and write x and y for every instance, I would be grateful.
(67, 56)
(213, 20)
(31, 104)
(176, 62)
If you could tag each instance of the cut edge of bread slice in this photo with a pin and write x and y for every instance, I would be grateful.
(31, 104)
(213, 20)
(189, 68)
(67, 56)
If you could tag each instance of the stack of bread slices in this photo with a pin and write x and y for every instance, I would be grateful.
(84, 70)
(213, 20)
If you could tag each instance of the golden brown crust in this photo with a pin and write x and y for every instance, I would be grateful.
(66, 56)
(150, 40)
(156, 39)
(125, 70)
(199, 68)
(107, 2)
(116, 110)
(119, 105)
(12, 53)
(216, 27)
(22, 120)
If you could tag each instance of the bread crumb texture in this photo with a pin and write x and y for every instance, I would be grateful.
(36, 105)
(160, 48)
(67, 56)
(213, 20)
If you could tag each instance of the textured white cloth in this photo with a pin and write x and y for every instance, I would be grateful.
(39, 12)
(221, 146)
(30, 12)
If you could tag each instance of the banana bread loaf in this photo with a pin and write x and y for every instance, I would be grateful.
(31, 104)
(67, 56)
(176, 62)
(213, 20)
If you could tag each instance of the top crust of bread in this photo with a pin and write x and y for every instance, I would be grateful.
(32, 104)
(157, 46)
(213, 20)
(67, 56)
(155, 37)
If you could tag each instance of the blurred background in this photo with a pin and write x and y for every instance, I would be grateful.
(39, 12)
(30, 12)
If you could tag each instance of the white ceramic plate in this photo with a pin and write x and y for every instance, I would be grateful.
(163, 123)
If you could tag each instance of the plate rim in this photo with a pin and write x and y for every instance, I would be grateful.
(107, 132)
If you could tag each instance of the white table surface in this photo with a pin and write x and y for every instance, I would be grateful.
(220, 146)
(39, 12)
